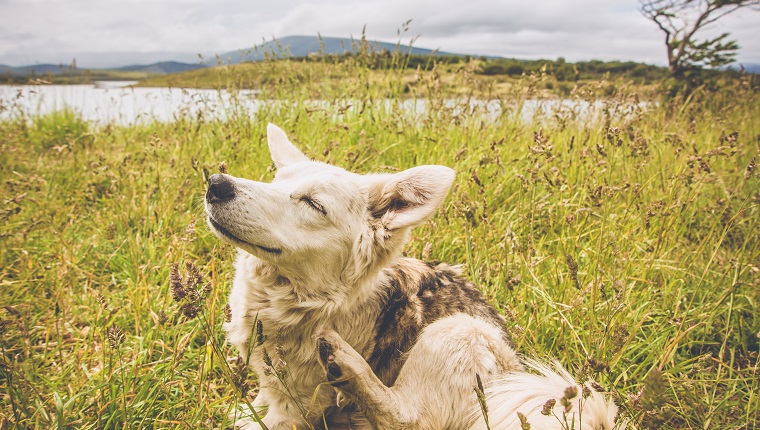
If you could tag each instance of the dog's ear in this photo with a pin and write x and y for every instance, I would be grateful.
(282, 151)
(407, 198)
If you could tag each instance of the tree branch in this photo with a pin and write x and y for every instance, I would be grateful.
(673, 18)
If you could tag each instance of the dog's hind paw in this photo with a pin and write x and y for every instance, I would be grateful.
(326, 345)
(340, 361)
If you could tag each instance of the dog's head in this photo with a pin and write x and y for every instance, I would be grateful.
(320, 223)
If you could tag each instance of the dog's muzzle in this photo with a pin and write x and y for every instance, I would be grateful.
(221, 188)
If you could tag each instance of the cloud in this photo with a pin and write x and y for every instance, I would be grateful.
(55, 30)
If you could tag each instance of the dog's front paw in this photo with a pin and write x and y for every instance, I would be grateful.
(271, 423)
(243, 419)
(246, 424)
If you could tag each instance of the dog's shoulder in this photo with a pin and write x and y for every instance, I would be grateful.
(416, 294)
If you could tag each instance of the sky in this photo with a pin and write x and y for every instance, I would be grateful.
(108, 33)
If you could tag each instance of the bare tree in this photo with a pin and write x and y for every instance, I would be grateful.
(681, 20)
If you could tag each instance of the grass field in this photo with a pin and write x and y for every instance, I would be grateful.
(75, 77)
(625, 242)
(386, 76)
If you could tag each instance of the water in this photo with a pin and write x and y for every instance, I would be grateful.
(118, 102)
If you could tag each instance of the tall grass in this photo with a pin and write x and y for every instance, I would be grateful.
(623, 241)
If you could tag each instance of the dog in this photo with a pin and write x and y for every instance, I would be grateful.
(333, 319)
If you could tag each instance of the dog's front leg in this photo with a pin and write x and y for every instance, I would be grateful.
(349, 372)
(278, 413)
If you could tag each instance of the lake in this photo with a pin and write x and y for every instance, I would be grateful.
(120, 103)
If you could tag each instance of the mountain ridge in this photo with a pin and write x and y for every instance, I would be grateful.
(286, 47)
(302, 46)
(162, 67)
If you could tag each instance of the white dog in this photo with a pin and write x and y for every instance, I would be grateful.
(347, 320)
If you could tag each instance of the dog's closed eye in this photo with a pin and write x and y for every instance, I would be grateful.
(314, 204)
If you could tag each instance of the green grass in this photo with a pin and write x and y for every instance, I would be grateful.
(627, 244)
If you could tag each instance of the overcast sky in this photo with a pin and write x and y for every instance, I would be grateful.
(102, 33)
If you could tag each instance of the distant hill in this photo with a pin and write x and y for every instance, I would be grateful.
(303, 46)
(37, 69)
(60, 74)
(163, 68)
(751, 67)
(287, 47)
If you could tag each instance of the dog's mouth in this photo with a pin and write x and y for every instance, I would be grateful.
(227, 234)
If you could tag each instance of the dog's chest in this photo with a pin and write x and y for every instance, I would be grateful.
(289, 351)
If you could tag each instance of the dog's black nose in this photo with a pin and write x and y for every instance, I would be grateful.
(220, 189)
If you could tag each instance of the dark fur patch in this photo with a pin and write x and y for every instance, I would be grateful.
(419, 294)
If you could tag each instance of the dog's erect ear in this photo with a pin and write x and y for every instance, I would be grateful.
(282, 151)
(409, 197)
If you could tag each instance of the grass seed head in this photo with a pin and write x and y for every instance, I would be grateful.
(102, 301)
(240, 376)
(480, 393)
(514, 281)
(586, 391)
(509, 313)
(190, 310)
(265, 357)
(548, 407)
(572, 265)
(115, 336)
(227, 313)
(571, 392)
(620, 335)
(175, 281)
(595, 385)
(188, 291)
(427, 251)
(597, 365)
(189, 235)
(750, 168)
(260, 337)
(193, 276)
(524, 424)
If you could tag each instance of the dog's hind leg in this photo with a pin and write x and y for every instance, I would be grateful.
(350, 373)
(435, 387)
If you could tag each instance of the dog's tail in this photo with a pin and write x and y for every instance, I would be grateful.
(546, 397)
